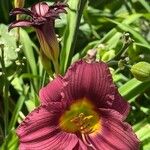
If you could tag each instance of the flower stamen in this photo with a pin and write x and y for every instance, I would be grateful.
(82, 122)
(81, 117)
(86, 142)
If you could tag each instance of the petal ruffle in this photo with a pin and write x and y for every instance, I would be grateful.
(52, 92)
(20, 23)
(39, 131)
(94, 81)
(120, 105)
(114, 134)
(17, 11)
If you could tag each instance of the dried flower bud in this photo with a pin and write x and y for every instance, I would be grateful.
(141, 71)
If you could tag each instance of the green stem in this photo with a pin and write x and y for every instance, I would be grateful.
(88, 21)
(126, 43)
(5, 9)
(5, 91)
(6, 106)
(43, 79)
(56, 67)
(1, 135)
(70, 35)
(122, 51)
(112, 63)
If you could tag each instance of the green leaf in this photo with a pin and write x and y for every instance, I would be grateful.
(143, 45)
(127, 28)
(70, 35)
(4, 10)
(11, 142)
(112, 43)
(18, 107)
(132, 18)
(145, 4)
(30, 104)
(18, 84)
(28, 50)
(143, 133)
(133, 88)
(111, 38)
(9, 42)
(28, 47)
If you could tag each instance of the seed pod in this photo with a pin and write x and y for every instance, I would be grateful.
(141, 71)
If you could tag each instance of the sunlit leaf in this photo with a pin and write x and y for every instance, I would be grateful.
(9, 42)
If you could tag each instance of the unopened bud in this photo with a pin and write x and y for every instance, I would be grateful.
(122, 64)
(19, 3)
(108, 55)
(141, 71)
(45, 62)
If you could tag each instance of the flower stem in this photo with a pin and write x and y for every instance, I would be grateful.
(6, 106)
(70, 34)
(56, 67)
(5, 91)
(18, 31)
(127, 41)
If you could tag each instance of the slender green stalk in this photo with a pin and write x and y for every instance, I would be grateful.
(5, 92)
(1, 135)
(56, 67)
(18, 107)
(126, 43)
(6, 106)
(70, 35)
(87, 19)
(43, 79)
(5, 9)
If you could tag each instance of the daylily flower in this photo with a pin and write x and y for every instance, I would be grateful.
(80, 111)
(42, 18)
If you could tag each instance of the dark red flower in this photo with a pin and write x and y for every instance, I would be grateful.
(42, 18)
(80, 111)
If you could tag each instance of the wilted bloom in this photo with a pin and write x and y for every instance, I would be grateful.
(80, 111)
(42, 18)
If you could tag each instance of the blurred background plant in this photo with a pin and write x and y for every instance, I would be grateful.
(119, 31)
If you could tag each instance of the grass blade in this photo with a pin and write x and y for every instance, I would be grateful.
(70, 35)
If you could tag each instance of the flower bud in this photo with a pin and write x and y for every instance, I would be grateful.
(141, 71)
(108, 55)
(19, 3)
(45, 62)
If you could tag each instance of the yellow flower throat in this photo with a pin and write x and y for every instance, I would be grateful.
(81, 117)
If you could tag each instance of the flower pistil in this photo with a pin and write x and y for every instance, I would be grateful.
(81, 117)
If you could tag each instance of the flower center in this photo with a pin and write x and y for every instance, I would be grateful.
(81, 117)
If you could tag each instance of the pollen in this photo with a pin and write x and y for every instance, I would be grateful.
(82, 122)
(81, 117)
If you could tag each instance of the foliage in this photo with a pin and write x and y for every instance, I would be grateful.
(118, 30)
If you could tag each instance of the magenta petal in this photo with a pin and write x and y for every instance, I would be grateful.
(114, 134)
(17, 11)
(52, 92)
(94, 81)
(40, 131)
(20, 23)
(40, 8)
(80, 146)
(120, 105)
